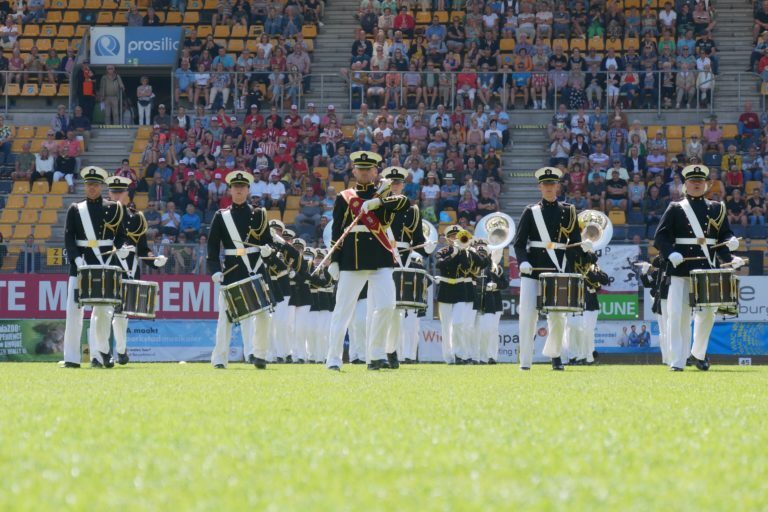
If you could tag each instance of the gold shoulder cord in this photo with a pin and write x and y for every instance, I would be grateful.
(411, 228)
(141, 229)
(717, 223)
(115, 222)
(566, 231)
(259, 230)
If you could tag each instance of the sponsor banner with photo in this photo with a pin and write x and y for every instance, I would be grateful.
(45, 295)
(753, 301)
(137, 46)
(176, 340)
(33, 340)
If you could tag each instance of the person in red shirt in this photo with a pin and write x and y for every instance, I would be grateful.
(300, 165)
(290, 130)
(466, 84)
(252, 116)
(749, 122)
(734, 179)
(404, 22)
(294, 117)
(282, 155)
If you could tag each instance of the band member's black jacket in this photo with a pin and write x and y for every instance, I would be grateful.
(251, 224)
(300, 292)
(136, 231)
(361, 250)
(321, 297)
(657, 282)
(406, 227)
(280, 264)
(562, 225)
(463, 264)
(674, 224)
(489, 301)
(594, 278)
(107, 220)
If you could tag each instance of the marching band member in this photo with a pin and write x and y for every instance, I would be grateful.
(688, 229)
(301, 301)
(407, 232)
(455, 295)
(93, 227)
(358, 328)
(544, 230)
(284, 261)
(135, 229)
(239, 229)
(654, 278)
(581, 328)
(488, 303)
(364, 256)
(321, 287)
(290, 326)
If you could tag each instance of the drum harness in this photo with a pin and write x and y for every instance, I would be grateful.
(698, 232)
(240, 249)
(91, 241)
(546, 241)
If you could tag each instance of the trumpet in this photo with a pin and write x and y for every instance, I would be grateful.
(463, 237)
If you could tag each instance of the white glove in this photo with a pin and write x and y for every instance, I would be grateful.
(428, 246)
(160, 261)
(370, 205)
(733, 243)
(526, 268)
(675, 259)
(79, 262)
(278, 239)
(333, 270)
(490, 287)
(644, 267)
(217, 278)
(265, 251)
(416, 257)
(587, 246)
(737, 262)
(124, 251)
(291, 274)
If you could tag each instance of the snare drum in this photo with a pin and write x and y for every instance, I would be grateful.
(246, 298)
(561, 293)
(99, 285)
(139, 298)
(410, 288)
(714, 288)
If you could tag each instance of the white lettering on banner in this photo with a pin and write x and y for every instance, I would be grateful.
(52, 296)
(165, 44)
(196, 297)
(14, 295)
(169, 297)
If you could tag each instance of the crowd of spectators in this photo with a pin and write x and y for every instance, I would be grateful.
(544, 53)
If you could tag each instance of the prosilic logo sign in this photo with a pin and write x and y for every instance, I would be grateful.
(139, 46)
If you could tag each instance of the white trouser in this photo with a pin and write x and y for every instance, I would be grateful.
(279, 329)
(410, 335)
(58, 175)
(553, 346)
(529, 290)
(313, 340)
(220, 353)
(73, 329)
(446, 327)
(679, 321)
(381, 295)
(488, 333)
(663, 338)
(703, 321)
(574, 345)
(144, 112)
(395, 333)
(99, 330)
(590, 323)
(290, 329)
(357, 329)
(120, 330)
(322, 332)
(462, 322)
(302, 330)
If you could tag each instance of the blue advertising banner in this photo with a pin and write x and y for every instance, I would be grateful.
(137, 46)
(177, 340)
(742, 338)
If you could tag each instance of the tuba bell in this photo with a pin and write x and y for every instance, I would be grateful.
(597, 227)
(430, 235)
(499, 229)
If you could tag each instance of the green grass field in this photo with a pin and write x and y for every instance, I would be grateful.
(429, 437)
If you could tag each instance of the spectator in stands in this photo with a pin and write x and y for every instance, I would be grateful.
(616, 192)
(30, 257)
(734, 179)
(111, 87)
(636, 163)
(694, 147)
(6, 141)
(656, 161)
(9, 33)
(449, 194)
(756, 207)
(60, 122)
(737, 209)
(184, 256)
(300, 59)
(25, 163)
(68, 160)
(686, 87)
(749, 122)
(276, 192)
(134, 17)
(310, 212)
(486, 204)
(220, 83)
(160, 190)
(732, 159)
(190, 223)
(636, 191)
(705, 83)
(170, 220)
(151, 19)
(44, 169)
(753, 165)
(596, 191)
(713, 137)
(653, 208)
(560, 149)
(162, 119)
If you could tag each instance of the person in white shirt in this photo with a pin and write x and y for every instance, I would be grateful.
(43, 168)
(275, 192)
(598, 160)
(416, 173)
(258, 187)
(311, 114)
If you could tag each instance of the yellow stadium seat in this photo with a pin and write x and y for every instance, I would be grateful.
(210, 5)
(22, 231)
(613, 44)
(348, 131)
(31, 30)
(173, 18)
(423, 18)
(110, 5)
(63, 90)
(204, 31)
(309, 31)
(235, 45)
(121, 18)
(144, 132)
(338, 186)
(239, 31)
(563, 43)
(292, 202)
(191, 17)
(290, 216)
(322, 172)
(597, 43)
(273, 214)
(221, 31)
(134, 160)
(141, 201)
(53, 17)
(75, 5)
(675, 146)
(34, 203)
(9, 216)
(20, 187)
(458, 14)
(442, 16)
(752, 185)
(56, 202)
(255, 31)
(691, 129)
(28, 216)
(43, 232)
(25, 132)
(631, 42)
(68, 31)
(48, 90)
(12, 89)
(7, 231)
(80, 31)
(507, 45)
(578, 43)
(673, 132)
(30, 90)
(49, 31)
(93, 5)
(651, 130)
(39, 187)
(730, 131)
(15, 201)
(617, 217)
(105, 18)
(44, 45)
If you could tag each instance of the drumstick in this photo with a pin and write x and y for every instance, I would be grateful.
(230, 269)
(571, 246)
(251, 245)
(694, 258)
(543, 269)
(730, 263)
(148, 257)
(723, 244)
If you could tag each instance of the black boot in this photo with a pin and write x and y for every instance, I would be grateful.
(702, 364)
(67, 364)
(122, 359)
(288, 359)
(220, 366)
(689, 361)
(378, 364)
(95, 363)
(260, 364)
(357, 361)
(491, 361)
(393, 361)
(107, 359)
(279, 360)
(557, 364)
